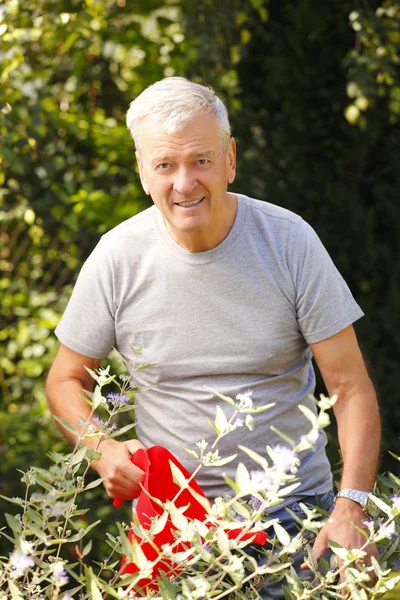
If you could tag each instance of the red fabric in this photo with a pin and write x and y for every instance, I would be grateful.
(158, 483)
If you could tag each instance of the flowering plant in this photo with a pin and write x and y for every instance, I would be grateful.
(212, 563)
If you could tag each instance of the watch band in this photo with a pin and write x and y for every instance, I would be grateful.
(355, 495)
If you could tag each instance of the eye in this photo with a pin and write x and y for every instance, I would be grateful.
(202, 161)
(163, 166)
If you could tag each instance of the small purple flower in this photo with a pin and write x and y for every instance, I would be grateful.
(118, 399)
(311, 437)
(388, 530)
(59, 575)
(245, 400)
(396, 501)
(285, 459)
(255, 503)
(99, 421)
(370, 524)
(260, 480)
(20, 563)
(396, 563)
(36, 496)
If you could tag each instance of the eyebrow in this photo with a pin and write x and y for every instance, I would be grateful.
(168, 158)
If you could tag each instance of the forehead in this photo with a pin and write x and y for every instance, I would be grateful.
(200, 135)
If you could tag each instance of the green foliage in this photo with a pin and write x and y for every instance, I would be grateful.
(69, 74)
(286, 70)
(209, 558)
(69, 71)
(374, 62)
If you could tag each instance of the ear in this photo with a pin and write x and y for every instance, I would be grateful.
(231, 158)
(141, 173)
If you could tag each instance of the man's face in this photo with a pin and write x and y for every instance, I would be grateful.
(187, 174)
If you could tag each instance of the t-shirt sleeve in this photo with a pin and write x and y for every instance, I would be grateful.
(324, 303)
(88, 323)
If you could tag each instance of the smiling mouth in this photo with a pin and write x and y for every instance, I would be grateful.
(190, 204)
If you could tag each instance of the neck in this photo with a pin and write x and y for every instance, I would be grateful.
(210, 237)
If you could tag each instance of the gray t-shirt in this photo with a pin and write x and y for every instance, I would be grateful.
(235, 318)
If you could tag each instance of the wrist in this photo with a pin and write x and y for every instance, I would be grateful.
(346, 505)
(355, 501)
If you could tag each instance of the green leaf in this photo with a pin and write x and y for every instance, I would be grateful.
(191, 453)
(79, 456)
(224, 461)
(160, 524)
(221, 396)
(123, 430)
(168, 589)
(178, 519)
(177, 475)
(221, 422)
(282, 534)
(45, 485)
(148, 366)
(260, 460)
(241, 509)
(242, 478)
(311, 559)
(14, 500)
(13, 523)
(137, 554)
(289, 489)
(66, 425)
(284, 437)
(205, 503)
(222, 540)
(260, 409)
(231, 484)
(125, 543)
(380, 504)
(126, 408)
(15, 593)
(86, 550)
(34, 516)
(94, 484)
(308, 413)
(396, 456)
(95, 592)
(41, 535)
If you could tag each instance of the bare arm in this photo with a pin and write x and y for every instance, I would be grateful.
(66, 380)
(357, 414)
(356, 410)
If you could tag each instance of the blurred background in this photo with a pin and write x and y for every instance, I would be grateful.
(313, 90)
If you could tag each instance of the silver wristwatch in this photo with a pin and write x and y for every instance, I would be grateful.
(355, 495)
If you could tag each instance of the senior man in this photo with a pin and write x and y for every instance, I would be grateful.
(226, 292)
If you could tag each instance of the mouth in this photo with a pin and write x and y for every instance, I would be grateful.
(190, 204)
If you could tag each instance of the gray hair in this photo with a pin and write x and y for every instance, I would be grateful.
(174, 102)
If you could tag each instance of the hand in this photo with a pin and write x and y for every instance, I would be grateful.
(341, 528)
(123, 478)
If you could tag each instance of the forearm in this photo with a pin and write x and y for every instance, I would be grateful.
(65, 399)
(359, 432)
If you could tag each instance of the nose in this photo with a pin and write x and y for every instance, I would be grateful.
(184, 182)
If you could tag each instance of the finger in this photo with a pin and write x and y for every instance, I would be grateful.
(122, 489)
(124, 481)
(133, 445)
(319, 548)
(133, 474)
